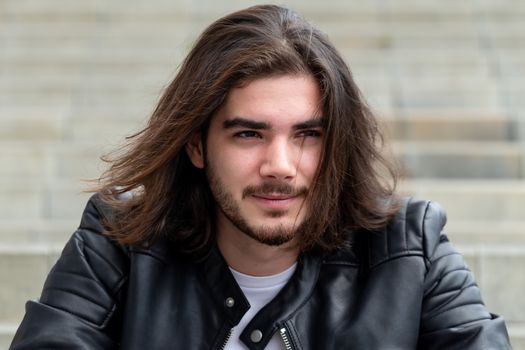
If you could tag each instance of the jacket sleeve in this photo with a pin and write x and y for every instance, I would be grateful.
(453, 313)
(78, 305)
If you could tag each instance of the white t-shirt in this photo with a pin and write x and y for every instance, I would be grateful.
(259, 290)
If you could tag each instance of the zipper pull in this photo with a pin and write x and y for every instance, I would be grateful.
(285, 338)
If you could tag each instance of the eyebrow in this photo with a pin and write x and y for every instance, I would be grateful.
(315, 122)
(245, 123)
(310, 124)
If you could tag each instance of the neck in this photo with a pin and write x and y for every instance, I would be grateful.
(248, 256)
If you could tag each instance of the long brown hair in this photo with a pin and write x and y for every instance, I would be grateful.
(171, 197)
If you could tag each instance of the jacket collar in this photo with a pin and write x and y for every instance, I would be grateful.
(223, 288)
(296, 292)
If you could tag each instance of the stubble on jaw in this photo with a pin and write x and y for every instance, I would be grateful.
(268, 235)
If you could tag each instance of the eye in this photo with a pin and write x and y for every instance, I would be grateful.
(310, 133)
(245, 134)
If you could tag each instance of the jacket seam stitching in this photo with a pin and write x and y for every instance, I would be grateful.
(338, 262)
(97, 253)
(405, 226)
(455, 291)
(82, 318)
(398, 256)
(154, 255)
(426, 256)
(68, 291)
(438, 313)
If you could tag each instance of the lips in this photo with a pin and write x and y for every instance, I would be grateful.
(274, 197)
(275, 201)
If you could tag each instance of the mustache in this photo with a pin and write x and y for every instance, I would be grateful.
(274, 188)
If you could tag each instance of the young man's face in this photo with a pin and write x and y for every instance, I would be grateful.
(262, 152)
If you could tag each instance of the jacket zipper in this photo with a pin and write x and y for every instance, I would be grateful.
(226, 340)
(286, 340)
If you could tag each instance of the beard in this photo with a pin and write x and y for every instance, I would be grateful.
(272, 235)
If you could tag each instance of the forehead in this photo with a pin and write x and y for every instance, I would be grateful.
(277, 100)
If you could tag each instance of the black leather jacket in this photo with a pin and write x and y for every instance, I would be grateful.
(404, 288)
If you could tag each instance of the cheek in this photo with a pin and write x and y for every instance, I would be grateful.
(310, 162)
(235, 168)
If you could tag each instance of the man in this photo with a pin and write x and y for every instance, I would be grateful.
(249, 214)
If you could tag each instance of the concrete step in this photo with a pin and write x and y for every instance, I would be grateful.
(146, 77)
(401, 10)
(448, 92)
(486, 233)
(21, 233)
(517, 335)
(125, 52)
(457, 159)
(117, 125)
(131, 85)
(33, 124)
(453, 23)
(80, 101)
(493, 200)
(23, 271)
(410, 9)
(447, 125)
(162, 8)
(7, 332)
(63, 58)
(51, 160)
(496, 270)
(181, 10)
(26, 127)
(48, 200)
(514, 97)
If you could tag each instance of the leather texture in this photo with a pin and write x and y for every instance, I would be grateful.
(405, 287)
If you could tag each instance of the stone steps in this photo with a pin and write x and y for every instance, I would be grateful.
(115, 83)
(23, 272)
(517, 334)
(394, 8)
(486, 233)
(344, 32)
(7, 331)
(460, 159)
(473, 199)
(448, 125)
(446, 77)
(50, 200)
(21, 234)
(132, 52)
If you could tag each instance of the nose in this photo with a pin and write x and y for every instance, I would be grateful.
(280, 161)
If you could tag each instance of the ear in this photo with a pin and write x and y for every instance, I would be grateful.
(195, 150)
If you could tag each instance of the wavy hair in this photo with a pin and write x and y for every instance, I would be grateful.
(172, 198)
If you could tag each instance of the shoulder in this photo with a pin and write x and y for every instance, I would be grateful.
(92, 267)
(416, 229)
(92, 229)
(93, 243)
(92, 234)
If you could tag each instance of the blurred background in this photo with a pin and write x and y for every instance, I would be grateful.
(446, 77)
